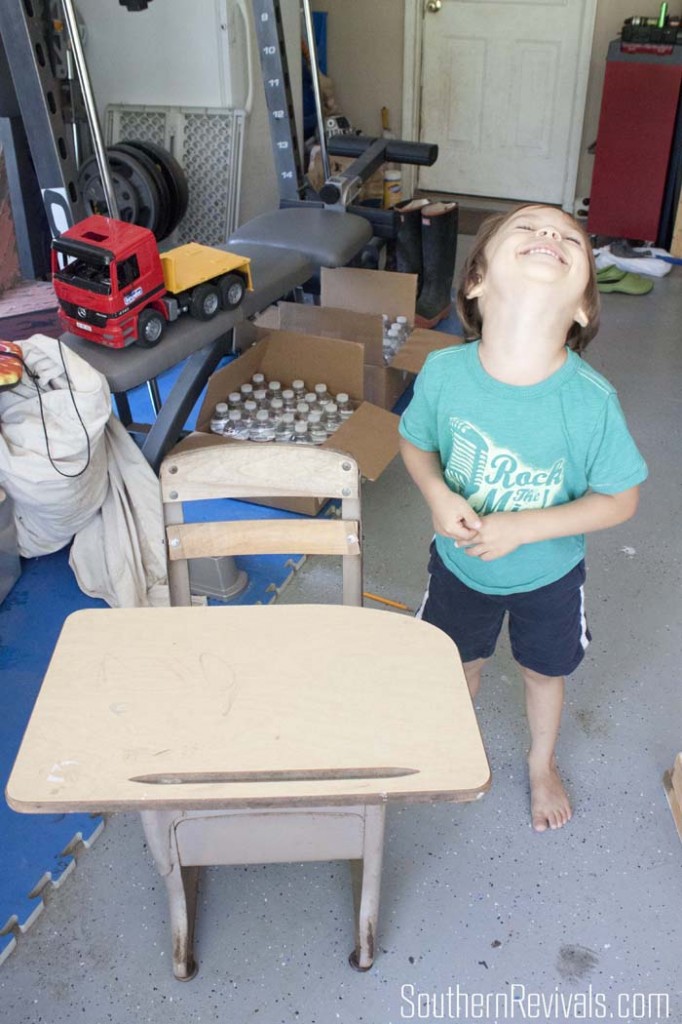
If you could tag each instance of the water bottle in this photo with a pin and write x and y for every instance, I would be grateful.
(298, 387)
(311, 400)
(404, 326)
(258, 381)
(331, 418)
(318, 433)
(276, 410)
(323, 395)
(234, 400)
(249, 412)
(343, 404)
(219, 418)
(301, 433)
(302, 410)
(235, 427)
(246, 391)
(262, 429)
(289, 400)
(260, 397)
(284, 431)
(275, 389)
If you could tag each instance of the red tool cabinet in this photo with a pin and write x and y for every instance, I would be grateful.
(637, 126)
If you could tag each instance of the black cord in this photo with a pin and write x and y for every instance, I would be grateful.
(35, 380)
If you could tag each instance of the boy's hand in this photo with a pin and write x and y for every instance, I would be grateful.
(454, 517)
(499, 534)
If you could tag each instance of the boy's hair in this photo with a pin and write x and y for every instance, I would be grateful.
(475, 266)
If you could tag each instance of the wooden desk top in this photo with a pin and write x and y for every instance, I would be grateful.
(255, 706)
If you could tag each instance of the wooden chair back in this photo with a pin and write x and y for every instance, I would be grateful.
(261, 471)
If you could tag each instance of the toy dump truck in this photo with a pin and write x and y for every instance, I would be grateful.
(115, 288)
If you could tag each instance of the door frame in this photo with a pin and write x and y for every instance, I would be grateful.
(414, 12)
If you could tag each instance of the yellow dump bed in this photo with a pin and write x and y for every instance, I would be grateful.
(191, 264)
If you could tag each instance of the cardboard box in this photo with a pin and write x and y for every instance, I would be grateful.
(370, 435)
(352, 302)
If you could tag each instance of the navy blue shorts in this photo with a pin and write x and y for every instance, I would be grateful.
(547, 626)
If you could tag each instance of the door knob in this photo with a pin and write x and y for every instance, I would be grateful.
(433, 6)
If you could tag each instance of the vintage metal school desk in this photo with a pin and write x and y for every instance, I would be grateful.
(251, 735)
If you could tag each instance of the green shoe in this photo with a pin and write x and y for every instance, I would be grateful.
(610, 274)
(629, 284)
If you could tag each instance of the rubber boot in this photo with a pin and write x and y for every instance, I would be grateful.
(439, 222)
(408, 241)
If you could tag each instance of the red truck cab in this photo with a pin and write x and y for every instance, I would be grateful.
(105, 272)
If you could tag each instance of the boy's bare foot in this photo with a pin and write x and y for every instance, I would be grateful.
(549, 803)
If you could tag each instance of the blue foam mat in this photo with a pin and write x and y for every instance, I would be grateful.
(30, 620)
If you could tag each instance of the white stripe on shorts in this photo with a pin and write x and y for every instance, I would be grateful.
(584, 642)
(422, 606)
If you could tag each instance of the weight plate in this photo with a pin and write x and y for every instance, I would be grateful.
(166, 188)
(176, 178)
(144, 183)
(164, 207)
(90, 186)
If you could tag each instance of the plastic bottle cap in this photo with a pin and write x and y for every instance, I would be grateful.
(258, 378)
(234, 414)
(275, 385)
(297, 385)
(401, 319)
(276, 403)
(234, 396)
(300, 428)
(260, 395)
(331, 407)
(302, 407)
(288, 417)
(221, 408)
(246, 389)
(262, 415)
(287, 394)
(341, 397)
(250, 406)
(310, 398)
(320, 389)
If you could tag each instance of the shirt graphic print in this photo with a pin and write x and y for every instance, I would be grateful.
(495, 479)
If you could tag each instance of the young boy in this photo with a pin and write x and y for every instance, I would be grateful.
(519, 448)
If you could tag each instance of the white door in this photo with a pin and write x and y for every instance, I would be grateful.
(503, 95)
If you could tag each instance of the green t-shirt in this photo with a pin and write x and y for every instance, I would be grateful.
(506, 447)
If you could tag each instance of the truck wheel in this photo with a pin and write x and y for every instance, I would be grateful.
(150, 328)
(205, 302)
(232, 290)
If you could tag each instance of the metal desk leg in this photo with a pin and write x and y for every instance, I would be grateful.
(366, 877)
(181, 886)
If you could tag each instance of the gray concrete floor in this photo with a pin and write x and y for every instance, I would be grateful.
(473, 902)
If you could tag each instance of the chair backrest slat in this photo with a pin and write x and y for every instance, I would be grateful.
(255, 471)
(261, 471)
(263, 537)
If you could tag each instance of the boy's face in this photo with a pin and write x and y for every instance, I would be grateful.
(537, 246)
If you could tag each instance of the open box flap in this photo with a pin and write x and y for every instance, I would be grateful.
(329, 322)
(369, 291)
(412, 355)
(339, 364)
(370, 436)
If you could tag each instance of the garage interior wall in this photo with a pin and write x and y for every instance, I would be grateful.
(365, 56)
(259, 186)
